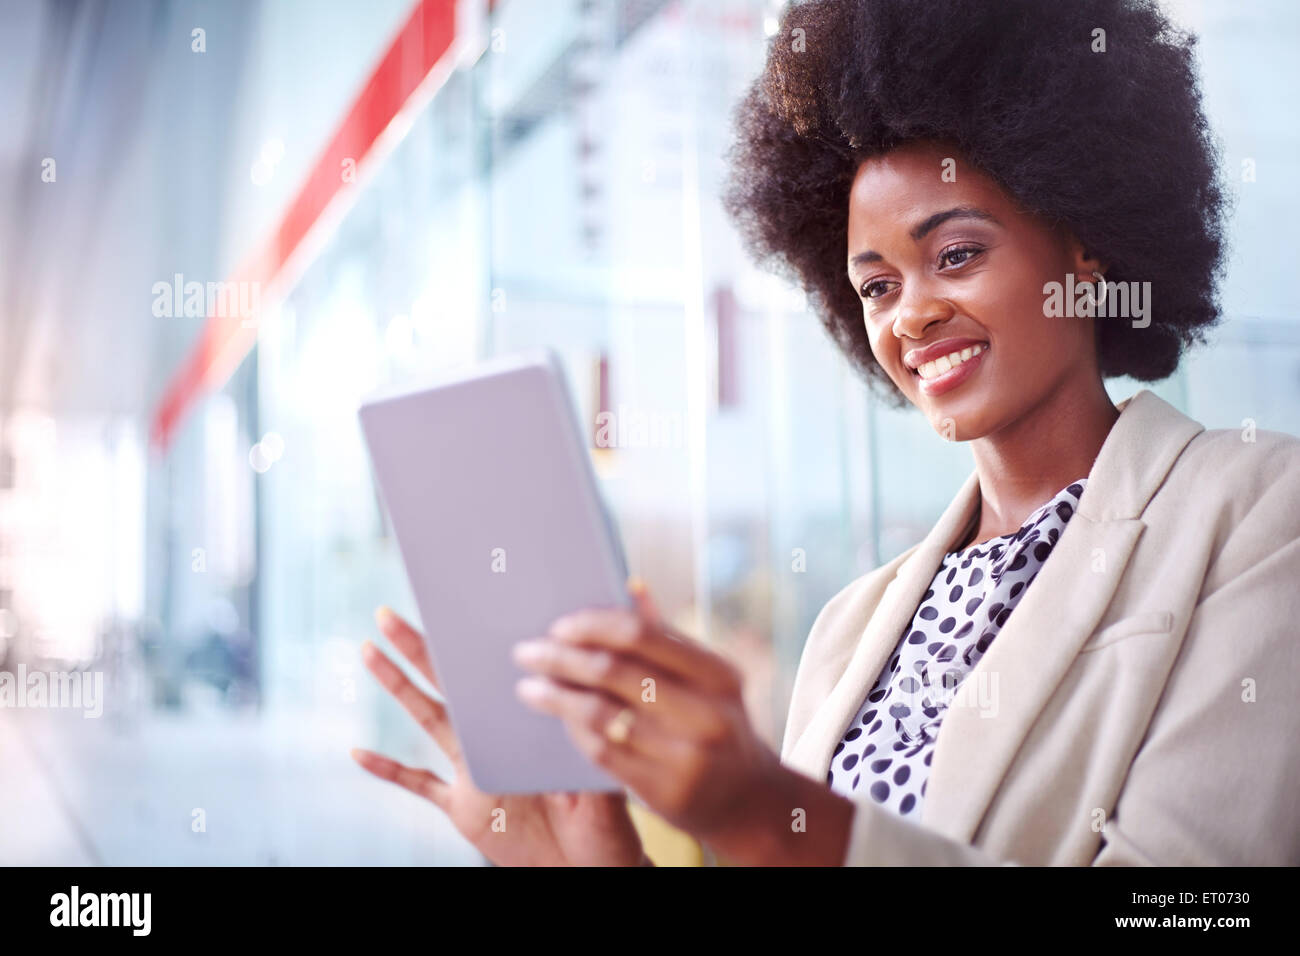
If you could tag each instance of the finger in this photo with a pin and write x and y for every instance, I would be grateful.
(422, 783)
(645, 605)
(428, 713)
(627, 679)
(618, 629)
(634, 762)
(630, 768)
(408, 642)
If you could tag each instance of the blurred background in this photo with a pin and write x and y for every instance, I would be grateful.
(225, 222)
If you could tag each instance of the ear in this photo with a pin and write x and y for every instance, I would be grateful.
(1083, 262)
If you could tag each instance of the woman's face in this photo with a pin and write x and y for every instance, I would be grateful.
(946, 267)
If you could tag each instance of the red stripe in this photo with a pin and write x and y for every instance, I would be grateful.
(223, 342)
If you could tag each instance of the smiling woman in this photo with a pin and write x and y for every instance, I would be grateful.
(1089, 659)
(968, 161)
(1086, 116)
(947, 264)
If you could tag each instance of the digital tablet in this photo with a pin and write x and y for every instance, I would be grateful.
(488, 485)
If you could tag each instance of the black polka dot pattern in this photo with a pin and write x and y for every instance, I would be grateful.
(887, 748)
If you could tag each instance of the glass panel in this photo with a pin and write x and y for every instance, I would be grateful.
(562, 189)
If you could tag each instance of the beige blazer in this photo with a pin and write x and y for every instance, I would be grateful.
(1142, 703)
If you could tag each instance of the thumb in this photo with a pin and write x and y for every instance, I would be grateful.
(645, 605)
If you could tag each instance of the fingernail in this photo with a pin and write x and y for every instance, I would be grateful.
(368, 651)
(530, 688)
(384, 616)
(526, 651)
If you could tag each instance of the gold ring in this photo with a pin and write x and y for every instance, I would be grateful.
(620, 728)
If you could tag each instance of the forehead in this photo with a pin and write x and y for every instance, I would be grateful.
(895, 190)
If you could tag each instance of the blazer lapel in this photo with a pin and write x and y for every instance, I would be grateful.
(898, 603)
(1000, 699)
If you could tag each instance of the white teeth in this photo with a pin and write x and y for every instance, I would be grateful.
(948, 362)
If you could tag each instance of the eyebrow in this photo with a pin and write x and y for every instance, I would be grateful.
(928, 225)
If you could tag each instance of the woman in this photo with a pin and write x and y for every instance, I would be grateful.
(1090, 659)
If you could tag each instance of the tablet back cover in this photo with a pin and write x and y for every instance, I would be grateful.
(501, 528)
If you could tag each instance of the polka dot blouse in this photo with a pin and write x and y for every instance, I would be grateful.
(887, 749)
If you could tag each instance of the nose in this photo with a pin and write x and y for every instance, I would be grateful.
(918, 309)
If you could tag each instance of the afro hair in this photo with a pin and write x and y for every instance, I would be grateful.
(1101, 133)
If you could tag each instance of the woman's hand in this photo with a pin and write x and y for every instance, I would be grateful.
(557, 829)
(687, 748)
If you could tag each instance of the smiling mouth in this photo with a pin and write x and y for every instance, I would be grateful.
(948, 362)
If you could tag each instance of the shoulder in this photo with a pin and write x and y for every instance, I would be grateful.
(831, 642)
(1242, 488)
(1243, 458)
(839, 624)
(1242, 470)
(858, 596)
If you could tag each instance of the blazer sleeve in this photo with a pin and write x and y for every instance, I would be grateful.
(1216, 778)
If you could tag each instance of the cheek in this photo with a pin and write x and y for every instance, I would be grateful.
(1047, 351)
(1050, 340)
(873, 333)
(881, 339)
(1013, 315)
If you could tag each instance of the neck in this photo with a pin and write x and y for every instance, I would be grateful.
(1022, 465)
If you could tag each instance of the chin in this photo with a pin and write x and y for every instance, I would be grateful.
(958, 418)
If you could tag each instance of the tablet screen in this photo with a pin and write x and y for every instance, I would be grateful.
(488, 484)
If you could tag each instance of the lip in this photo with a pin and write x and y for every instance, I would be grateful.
(954, 376)
(918, 357)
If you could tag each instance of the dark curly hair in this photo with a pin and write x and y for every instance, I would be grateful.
(1112, 145)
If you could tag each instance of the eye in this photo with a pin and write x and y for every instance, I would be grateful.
(879, 287)
(959, 255)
